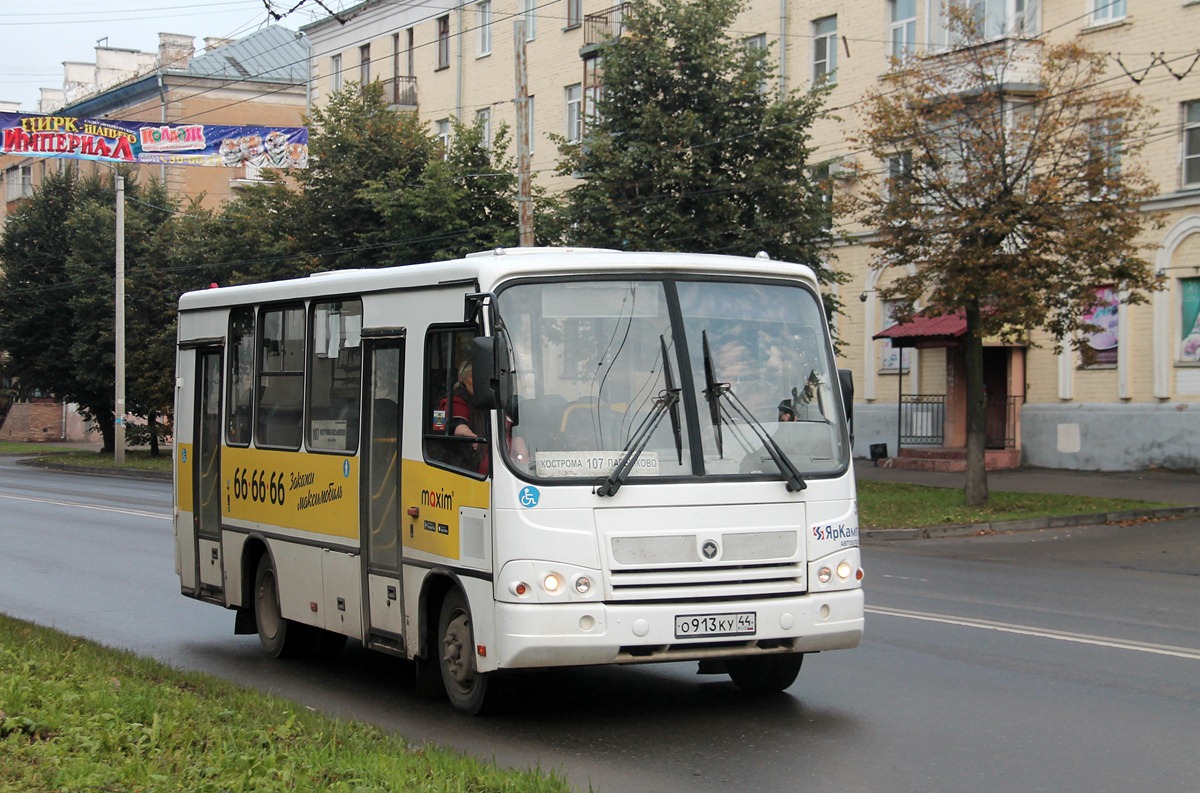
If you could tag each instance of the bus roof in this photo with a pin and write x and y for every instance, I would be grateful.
(488, 268)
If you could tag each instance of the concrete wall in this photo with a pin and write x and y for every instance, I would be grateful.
(1098, 437)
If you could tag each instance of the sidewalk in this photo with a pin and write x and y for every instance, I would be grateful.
(1160, 486)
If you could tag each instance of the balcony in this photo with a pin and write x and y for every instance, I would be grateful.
(400, 93)
(1009, 64)
(601, 26)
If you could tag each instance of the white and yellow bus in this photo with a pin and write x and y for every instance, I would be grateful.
(647, 460)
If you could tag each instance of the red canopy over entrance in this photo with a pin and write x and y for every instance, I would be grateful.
(922, 332)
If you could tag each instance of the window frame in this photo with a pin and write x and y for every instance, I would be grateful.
(336, 76)
(443, 42)
(906, 27)
(261, 374)
(1104, 12)
(1190, 145)
(824, 51)
(364, 64)
(574, 14)
(483, 28)
(430, 398)
(573, 112)
(352, 431)
(239, 430)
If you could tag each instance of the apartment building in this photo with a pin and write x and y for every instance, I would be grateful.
(1135, 404)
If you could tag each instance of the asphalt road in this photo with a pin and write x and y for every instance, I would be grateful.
(1064, 660)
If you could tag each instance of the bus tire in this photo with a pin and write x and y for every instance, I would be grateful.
(764, 674)
(466, 687)
(280, 637)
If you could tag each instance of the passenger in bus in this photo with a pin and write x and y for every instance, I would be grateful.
(786, 412)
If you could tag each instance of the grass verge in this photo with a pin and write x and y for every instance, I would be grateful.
(135, 459)
(888, 505)
(77, 716)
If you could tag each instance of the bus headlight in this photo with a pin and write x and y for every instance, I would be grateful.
(824, 575)
(552, 583)
(843, 570)
(583, 584)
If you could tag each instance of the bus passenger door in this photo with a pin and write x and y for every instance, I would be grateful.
(206, 481)
(381, 535)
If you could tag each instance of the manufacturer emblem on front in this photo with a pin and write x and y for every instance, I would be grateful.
(710, 549)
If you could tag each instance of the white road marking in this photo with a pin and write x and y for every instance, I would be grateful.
(1043, 633)
(136, 512)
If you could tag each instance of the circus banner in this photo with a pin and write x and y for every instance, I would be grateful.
(147, 142)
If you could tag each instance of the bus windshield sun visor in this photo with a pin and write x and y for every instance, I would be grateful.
(723, 404)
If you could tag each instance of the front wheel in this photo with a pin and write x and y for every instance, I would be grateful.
(467, 688)
(764, 674)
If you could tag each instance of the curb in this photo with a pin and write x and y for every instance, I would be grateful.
(152, 476)
(1032, 524)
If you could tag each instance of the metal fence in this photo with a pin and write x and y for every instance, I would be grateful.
(606, 24)
(1002, 422)
(922, 421)
(400, 91)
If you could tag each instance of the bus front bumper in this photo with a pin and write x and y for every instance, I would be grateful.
(531, 635)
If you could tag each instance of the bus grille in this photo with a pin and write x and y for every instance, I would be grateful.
(675, 567)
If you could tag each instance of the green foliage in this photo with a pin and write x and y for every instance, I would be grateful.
(692, 148)
(75, 716)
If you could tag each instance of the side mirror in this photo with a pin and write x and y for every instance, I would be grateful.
(846, 381)
(491, 367)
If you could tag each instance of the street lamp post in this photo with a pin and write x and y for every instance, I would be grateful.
(119, 401)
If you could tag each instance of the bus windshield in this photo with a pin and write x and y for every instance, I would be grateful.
(672, 378)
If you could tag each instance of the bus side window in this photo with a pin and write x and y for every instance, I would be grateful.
(239, 403)
(335, 376)
(281, 378)
(449, 403)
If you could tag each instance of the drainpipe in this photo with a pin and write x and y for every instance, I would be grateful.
(458, 78)
(162, 104)
(783, 46)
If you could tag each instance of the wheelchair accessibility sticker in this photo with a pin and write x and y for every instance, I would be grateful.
(529, 496)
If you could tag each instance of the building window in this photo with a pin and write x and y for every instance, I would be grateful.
(483, 120)
(822, 183)
(531, 127)
(574, 114)
(574, 13)
(756, 47)
(824, 62)
(893, 359)
(1105, 149)
(443, 136)
(529, 15)
(899, 171)
(18, 182)
(1100, 345)
(1191, 144)
(364, 64)
(335, 72)
(994, 19)
(902, 31)
(1189, 320)
(1107, 11)
(409, 50)
(483, 28)
(443, 42)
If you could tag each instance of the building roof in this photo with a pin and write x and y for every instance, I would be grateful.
(273, 54)
(942, 330)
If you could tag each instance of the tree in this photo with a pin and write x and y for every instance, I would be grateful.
(690, 149)
(1009, 207)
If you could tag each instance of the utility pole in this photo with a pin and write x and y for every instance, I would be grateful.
(524, 190)
(119, 401)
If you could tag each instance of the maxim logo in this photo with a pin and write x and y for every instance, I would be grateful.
(709, 550)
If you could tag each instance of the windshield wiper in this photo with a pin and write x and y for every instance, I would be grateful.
(721, 398)
(673, 408)
(663, 403)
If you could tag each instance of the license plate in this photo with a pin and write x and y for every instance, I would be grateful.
(695, 626)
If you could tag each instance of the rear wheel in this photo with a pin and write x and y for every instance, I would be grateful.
(280, 637)
(467, 688)
(764, 674)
